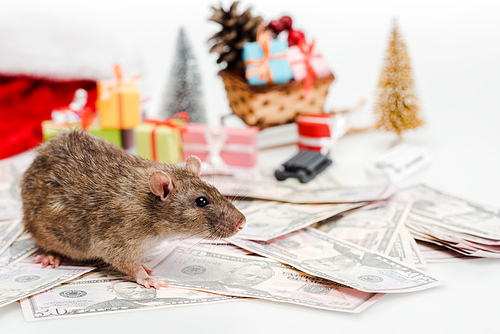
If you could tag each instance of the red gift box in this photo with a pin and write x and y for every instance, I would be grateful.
(234, 146)
(315, 132)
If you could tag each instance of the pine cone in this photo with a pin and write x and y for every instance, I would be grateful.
(237, 29)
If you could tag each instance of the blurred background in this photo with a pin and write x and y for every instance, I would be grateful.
(453, 47)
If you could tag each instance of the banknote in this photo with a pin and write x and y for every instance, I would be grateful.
(463, 243)
(24, 279)
(9, 231)
(258, 277)
(320, 254)
(405, 250)
(434, 253)
(270, 219)
(373, 227)
(298, 193)
(23, 247)
(10, 209)
(106, 293)
(453, 213)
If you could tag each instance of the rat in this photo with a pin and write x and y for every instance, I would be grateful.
(87, 199)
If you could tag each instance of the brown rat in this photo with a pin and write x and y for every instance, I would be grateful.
(84, 198)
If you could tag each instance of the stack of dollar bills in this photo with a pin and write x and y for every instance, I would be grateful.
(322, 245)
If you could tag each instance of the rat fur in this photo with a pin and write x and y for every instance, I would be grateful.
(84, 198)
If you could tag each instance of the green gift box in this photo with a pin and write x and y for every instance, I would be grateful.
(158, 142)
(50, 129)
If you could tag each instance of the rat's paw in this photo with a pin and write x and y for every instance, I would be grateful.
(152, 282)
(149, 271)
(48, 259)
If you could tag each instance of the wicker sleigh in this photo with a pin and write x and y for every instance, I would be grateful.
(270, 105)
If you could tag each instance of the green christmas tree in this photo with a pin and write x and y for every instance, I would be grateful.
(184, 91)
(396, 107)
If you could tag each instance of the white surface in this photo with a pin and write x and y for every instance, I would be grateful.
(455, 54)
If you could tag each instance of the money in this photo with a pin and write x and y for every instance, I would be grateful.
(267, 220)
(24, 279)
(253, 276)
(10, 209)
(102, 293)
(23, 247)
(461, 225)
(373, 227)
(9, 231)
(322, 255)
(292, 192)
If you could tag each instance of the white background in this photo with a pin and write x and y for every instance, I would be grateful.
(455, 53)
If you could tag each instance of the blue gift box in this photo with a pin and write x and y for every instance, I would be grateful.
(258, 69)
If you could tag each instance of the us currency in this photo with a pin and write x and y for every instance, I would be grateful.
(373, 227)
(9, 231)
(435, 253)
(10, 209)
(267, 220)
(453, 213)
(320, 254)
(24, 279)
(293, 192)
(23, 247)
(105, 293)
(460, 242)
(257, 277)
(406, 250)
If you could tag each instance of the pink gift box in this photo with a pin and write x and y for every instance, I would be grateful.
(297, 61)
(235, 146)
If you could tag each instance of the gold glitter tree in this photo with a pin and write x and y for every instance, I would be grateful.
(396, 106)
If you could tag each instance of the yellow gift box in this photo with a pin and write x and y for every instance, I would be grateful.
(118, 103)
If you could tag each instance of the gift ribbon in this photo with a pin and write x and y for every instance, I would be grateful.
(215, 140)
(262, 67)
(307, 50)
(177, 121)
(108, 87)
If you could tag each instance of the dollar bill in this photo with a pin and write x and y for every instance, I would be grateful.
(105, 293)
(10, 209)
(24, 279)
(373, 227)
(322, 255)
(453, 213)
(435, 253)
(297, 193)
(10, 230)
(253, 276)
(405, 250)
(267, 220)
(23, 247)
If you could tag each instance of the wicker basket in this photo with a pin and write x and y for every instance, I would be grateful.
(270, 105)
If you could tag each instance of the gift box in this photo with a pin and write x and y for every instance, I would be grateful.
(158, 142)
(315, 132)
(265, 61)
(231, 146)
(51, 128)
(304, 60)
(118, 103)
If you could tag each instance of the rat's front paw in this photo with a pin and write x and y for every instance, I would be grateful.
(152, 282)
(51, 259)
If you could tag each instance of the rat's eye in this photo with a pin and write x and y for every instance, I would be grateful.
(202, 201)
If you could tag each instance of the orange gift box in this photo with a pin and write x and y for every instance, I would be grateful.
(118, 103)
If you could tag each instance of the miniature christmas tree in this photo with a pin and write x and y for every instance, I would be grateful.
(184, 87)
(396, 106)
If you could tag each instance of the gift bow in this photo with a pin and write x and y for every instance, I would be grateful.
(177, 121)
(307, 50)
(262, 67)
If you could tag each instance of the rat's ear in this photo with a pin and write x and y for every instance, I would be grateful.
(193, 164)
(160, 184)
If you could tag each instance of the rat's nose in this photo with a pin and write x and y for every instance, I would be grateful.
(241, 224)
